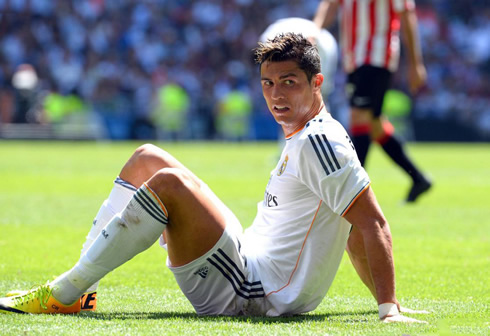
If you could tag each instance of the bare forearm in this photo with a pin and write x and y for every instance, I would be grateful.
(325, 14)
(379, 255)
(370, 249)
(411, 38)
(370, 245)
(357, 255)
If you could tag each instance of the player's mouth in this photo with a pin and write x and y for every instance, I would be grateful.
(280, 108)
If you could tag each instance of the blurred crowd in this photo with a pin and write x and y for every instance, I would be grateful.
(455, 39)
(184, 69)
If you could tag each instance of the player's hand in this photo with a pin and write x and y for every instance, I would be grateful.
(412, 311)
(390, 312)
(417, 77)
(401, 319)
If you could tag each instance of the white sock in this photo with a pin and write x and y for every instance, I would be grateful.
(134, 230)
(119, 197)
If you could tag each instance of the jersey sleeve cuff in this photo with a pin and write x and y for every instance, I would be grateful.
(355, 198)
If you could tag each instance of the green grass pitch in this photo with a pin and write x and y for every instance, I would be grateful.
(50, 192)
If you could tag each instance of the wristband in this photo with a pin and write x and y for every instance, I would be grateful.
(386, 309)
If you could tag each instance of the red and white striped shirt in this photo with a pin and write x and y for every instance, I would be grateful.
(370, 32)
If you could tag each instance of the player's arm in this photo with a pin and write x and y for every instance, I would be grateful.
(372, 230)
(370, 251)
(325, 13)
(417, 74)
(357, 255)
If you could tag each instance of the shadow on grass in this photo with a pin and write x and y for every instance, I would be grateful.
(358, 316)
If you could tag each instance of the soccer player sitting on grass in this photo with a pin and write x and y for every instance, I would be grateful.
(318, 201)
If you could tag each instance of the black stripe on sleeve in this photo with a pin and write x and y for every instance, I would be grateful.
(331, 151)
(318, 154)
(332, 168)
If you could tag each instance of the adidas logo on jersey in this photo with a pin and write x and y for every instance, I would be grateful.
(202, 272)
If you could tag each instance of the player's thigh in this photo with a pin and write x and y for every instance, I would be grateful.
(360, 116)
(377, 129)
(366, 87)
(195, 222)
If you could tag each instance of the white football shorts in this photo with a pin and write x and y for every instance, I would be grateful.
(220, 283)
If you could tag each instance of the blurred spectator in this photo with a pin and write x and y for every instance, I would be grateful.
(27, 95)
(111, 103)
(58, 108)
(233, 116)
(125, 50)
(171, 110)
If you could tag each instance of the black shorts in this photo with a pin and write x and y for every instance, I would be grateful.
(366, 87)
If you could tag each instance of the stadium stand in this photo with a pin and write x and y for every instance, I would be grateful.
(114, 55)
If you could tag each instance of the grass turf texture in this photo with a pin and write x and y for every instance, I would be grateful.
(50, 192)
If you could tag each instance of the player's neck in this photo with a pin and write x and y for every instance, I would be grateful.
(316, 108)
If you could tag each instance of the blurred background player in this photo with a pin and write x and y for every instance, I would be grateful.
(369, 35)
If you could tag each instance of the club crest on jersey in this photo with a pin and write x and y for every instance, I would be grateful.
(283, 166)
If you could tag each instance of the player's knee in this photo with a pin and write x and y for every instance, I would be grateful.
(148, 158)
(146, 154)
(145, 161)
(171, 183)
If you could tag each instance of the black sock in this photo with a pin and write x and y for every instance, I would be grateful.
(361, 144)
(395, 150)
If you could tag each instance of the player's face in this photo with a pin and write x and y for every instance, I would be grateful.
(291, 98)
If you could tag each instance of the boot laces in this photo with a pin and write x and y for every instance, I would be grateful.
(41, 293)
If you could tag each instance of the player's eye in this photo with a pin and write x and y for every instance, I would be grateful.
(288, 82)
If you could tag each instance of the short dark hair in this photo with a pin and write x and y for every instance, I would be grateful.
(290, 47)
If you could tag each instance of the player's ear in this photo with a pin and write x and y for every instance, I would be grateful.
(318, 80)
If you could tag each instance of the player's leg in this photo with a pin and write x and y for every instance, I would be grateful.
(196, 227)
(120, 195)
(360, 130)
(117, 200)
(145, 161)
(396, 151)
(170, 201)
(195, 223)
(383, 133)
(148, 159)
(167, 176)
(359, 93)
(204, 249)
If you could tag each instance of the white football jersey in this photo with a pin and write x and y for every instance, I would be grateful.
(326, 43)
(298, 237)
